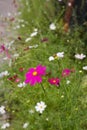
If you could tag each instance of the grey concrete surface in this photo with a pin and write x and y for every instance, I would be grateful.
(7, 6)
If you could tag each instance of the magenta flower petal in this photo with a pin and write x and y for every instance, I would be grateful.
(54, 81)
(34, 75)
(66, 72)
(41, 69)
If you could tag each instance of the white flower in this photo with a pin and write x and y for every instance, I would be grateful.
(51, 58)
(2, 110)
(5, 125)
(28, 39)
(33, 34)
(40, 107)
(52, 26)
(4, 73)
(68, 82)
(60, 54)
(25, 125)
(84, 68)
(20, 85)
(80, 56)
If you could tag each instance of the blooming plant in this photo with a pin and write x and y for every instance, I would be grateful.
(40, 107)
(34, 75)
(80, 56)
(21, 85)
(54, 81)
(58, 55)
(84, 68)
(56, 102)
(66, 72)
(52, 26)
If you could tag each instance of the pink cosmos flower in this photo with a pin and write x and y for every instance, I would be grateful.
(66, 72)
(34, 75)
(17, 80)
(4, 49)
(54, 81)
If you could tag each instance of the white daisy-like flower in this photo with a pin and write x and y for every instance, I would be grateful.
(40, 107)
(84, 68)
(20, 85)
(28, 39)
(80, 56)
(34, 34)
(52, 26)
(60, 54)
(25, 125)
(51, 58)
(2, 110)
(5, 125)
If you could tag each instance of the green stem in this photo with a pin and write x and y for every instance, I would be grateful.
(43, 88)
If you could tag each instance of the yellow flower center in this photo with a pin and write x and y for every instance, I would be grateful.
(34, 73)
(54, 81)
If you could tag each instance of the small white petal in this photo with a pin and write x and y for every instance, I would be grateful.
(84, 67)
(52, 26)
(51, 58)
(28, 39)
(25, 125)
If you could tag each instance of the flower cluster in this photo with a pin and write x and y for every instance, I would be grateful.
(34, 76)
(58, 55)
